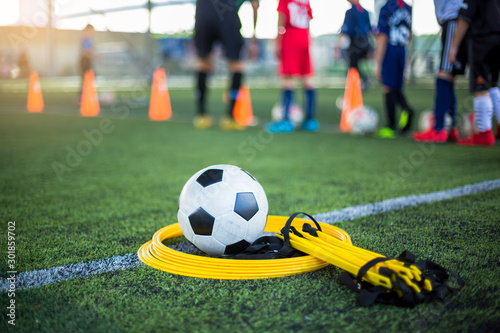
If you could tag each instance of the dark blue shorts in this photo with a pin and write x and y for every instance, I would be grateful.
(393, 67)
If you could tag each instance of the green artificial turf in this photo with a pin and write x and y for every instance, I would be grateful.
(83, 189)
(459, 234)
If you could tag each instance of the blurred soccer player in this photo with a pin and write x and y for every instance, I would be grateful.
(218, 20)
(482, 18)
(394, 26)
(86, 52)
(358, 28)
(292, 50)
(445, 100)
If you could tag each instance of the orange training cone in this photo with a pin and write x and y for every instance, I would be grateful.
(242, 111)
(35, 98)
(160, 108)
(89, 103)
(353, 98)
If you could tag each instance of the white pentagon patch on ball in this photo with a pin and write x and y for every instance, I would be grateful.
(222, 210)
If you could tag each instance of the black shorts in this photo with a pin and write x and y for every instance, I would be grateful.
(217, 20)
(358, 49)
(485, 62)
(458, 68)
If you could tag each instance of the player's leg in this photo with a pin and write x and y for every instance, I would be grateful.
(445, 99)
(85, 64)
(495, 90)
(389, 86)
(306, 72)
(483, 104)
(390, 109)
(287, 100)
(231, 38)
(287, 95)
(358, 50)
(495, 98)
(406, 117)
(310, 123)
(287, 68)
(204, 66)
(443, 102)
(204, 37)
(236, 70)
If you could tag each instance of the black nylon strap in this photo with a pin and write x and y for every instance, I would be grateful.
(306, 227)
(369, 296)
(407, 256)
(286, 229)
(268, 247)
(436, 274)
(362, 271)
(349, 282)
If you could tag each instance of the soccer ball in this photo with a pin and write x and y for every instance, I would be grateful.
(295, 114)
(427, 119)
(222, 210)
(466, 125)
(107, 97)
(339, 102)
(363, 120)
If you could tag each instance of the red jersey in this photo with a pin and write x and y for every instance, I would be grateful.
(298, 13)
(295, 55)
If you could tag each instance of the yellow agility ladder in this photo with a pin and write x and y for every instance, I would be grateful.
(400, 281)
(155, 254)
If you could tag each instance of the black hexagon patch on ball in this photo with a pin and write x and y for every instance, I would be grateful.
(246, 206)
(210, 177)
(201, 222)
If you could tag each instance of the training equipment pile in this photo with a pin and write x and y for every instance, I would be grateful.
(300, 248)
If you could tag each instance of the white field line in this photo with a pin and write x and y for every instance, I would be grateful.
(42, 277)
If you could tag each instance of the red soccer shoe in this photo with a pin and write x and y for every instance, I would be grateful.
(453, 135)
(431, 136)
(485, 138)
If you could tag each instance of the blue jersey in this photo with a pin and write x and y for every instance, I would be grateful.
(356, 23)
(395, 22)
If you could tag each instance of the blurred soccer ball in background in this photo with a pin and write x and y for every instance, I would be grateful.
(107, 97)
(466, 125)
(426, 121)
(296, 115)
(339, 103)
(363, 120)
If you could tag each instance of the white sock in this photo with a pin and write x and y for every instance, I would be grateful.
(495, 98)
(483, 109)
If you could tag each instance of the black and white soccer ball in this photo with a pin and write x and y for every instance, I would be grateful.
(363, 120)
(222, 210)
(427, 119)
(467, 125)
(296, 115)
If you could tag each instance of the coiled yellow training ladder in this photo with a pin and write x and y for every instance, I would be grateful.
(155, 254)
